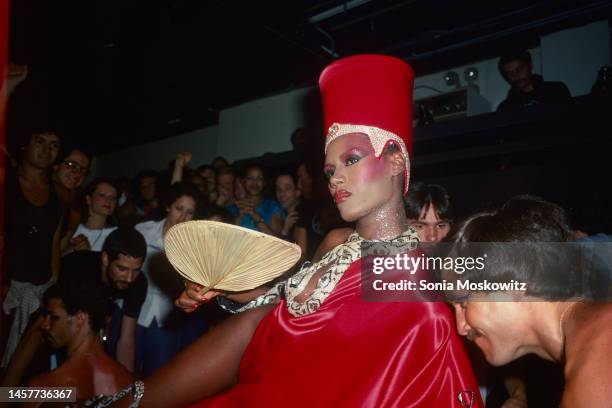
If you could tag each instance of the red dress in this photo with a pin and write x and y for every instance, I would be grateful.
(354, 353)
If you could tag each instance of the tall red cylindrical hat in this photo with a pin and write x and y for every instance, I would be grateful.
(369, 94)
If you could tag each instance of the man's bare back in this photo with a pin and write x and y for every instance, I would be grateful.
(92, 372)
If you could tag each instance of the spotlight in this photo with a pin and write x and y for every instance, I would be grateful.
(452, 78)
(470, 74)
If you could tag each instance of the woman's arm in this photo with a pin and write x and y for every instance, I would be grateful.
(74, 219)
(333, 238)
(192, 296)
(275, 227)
(209, 366)
(179, 164)
(300, 236)
(126, 344)
(56, 251)
(276, 224)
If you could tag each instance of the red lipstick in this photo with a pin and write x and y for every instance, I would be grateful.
(341, 196)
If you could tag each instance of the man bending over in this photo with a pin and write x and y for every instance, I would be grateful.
(551, 318)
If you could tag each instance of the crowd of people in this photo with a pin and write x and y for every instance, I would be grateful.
(95, 304)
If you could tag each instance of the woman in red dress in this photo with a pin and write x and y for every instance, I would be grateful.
(313, 340)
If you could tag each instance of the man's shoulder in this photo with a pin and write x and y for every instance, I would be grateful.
(594, 322)
(554, 87)
(134, 296)
(600, 237)
(589, 343)
(62, 376)
(513, 100)
(139, 285)
(115, 376)
(596, 317)
(588, 371)
(553, 84)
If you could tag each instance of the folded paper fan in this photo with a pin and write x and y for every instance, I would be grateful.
(227, 257)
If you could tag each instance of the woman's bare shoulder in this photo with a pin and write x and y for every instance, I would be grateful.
(333, 238)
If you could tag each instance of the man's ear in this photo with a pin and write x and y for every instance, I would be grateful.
(104, 258)
(81, 318)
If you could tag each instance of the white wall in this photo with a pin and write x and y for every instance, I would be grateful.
(156, 155)
(575, 55)
(262, 126)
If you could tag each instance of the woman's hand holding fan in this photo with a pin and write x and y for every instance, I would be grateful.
(222, 257)
(193, 296)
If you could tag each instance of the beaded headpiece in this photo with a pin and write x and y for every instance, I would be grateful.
(370, 94)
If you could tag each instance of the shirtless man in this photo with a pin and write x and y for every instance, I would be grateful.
(575, 333)
(115, 272)
(72, 318)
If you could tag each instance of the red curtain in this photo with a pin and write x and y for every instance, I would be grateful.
(4, 24)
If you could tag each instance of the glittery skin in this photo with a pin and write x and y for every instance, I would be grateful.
(379, 138)
(390, 222)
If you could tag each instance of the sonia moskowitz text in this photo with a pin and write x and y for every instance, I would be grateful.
(423, 284)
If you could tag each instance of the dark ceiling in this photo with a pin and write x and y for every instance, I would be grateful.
(123, 72)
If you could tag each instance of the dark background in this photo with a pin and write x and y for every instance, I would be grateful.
(153, 69)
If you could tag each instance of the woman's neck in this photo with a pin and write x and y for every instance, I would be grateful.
(96, 221)
(256, 199)
(384, 223)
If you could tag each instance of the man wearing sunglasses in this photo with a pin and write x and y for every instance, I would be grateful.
(68, 175)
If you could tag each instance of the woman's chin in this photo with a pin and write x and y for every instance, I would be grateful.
(349, 214)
